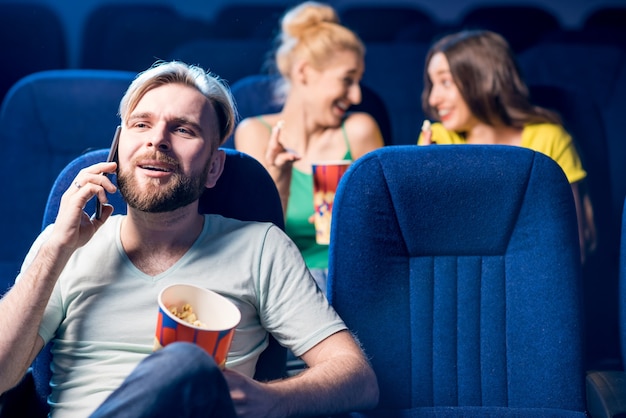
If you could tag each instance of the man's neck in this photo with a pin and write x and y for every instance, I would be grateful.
(155, 241)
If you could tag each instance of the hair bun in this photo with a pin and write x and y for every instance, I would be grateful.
(307, 15)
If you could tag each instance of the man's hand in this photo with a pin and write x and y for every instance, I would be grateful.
(73, 227)
(250, 398)
(338, 379)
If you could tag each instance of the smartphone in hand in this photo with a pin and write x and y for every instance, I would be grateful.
(112, 157)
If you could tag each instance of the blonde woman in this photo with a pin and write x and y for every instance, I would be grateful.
(321, 63)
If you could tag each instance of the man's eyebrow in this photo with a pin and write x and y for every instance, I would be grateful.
(177, 121)
(139, 116)
(184, 121)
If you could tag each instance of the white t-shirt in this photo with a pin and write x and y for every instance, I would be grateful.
(102, 313)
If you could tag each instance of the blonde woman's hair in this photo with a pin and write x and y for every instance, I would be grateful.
(210, 85)
(312, 31)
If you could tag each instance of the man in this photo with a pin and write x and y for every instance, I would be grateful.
(90, 284)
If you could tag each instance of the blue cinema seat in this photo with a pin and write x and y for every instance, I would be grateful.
(33, 39)
(394, 71)
(131, 37)
(522, 25)
(606, 388)
(231, 59)
(48, 119)
(598, 74)
(234, 196)
(247, 20)
(393, 22)
(458, 269)
(583, 120)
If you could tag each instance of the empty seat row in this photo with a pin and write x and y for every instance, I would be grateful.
(132, 36)
(113, 31)
(127, 36)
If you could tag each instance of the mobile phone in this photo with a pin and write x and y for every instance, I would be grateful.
(112, 157)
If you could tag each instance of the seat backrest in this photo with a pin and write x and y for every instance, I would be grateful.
(622, 282)
(255, 95)
(393, 22)
(458, 269)
(512, 22)
(394, 71)
(47, 119)
(231, 59)
(608, 17)
(583, 120)
(131, 37)
(247, 20)
(597, 72)
(33, 39)
(234, 196)
(591, 69)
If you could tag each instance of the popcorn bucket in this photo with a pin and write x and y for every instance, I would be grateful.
(216, 319)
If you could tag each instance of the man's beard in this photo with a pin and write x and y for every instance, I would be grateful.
(181, 190)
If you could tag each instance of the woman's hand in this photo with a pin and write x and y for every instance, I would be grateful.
(276, 154)
(279, 163)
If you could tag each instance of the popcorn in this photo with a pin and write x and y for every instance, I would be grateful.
(427, 133)
(186, 314)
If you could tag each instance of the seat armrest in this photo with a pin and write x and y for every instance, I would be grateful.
(606, 394)
(21, 401)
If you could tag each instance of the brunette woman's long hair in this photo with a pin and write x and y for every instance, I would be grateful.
(484, 69)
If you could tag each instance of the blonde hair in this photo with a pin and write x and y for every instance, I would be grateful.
(312, 31)
(210, 85)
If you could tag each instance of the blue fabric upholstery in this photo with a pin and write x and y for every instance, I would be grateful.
(622, 288)
(393, 70)
(113, 33)
(231, 59)
(606, 389)
(607, 17)
(241, 20)
(393, 22)
(512, 22)
(234, 195)
(33, 39)
(457, 267)
(596, 72)
(47, 119)
(583, 120)
(589, 68)
(470, 412)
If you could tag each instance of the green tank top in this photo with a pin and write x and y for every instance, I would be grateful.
(300, 208)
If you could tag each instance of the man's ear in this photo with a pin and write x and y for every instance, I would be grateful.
(216, 166)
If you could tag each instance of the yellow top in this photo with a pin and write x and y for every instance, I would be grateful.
(547, 138)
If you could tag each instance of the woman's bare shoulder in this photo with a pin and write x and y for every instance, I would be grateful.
(256, 125)
(361, 127)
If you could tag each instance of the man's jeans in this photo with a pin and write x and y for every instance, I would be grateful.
(180, 380)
